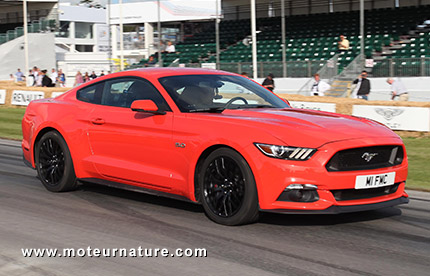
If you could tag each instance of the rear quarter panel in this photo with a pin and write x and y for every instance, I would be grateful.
(69, 118)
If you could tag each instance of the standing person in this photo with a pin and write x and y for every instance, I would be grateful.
(30, 78)
(93, 75)
(78, 79)
(319, 86)
(35, 75)
(54, 76)
(86, 77)
(343, 43)
(398, 90)
(102, 73)
(46, 81)
(39, 78)
(364, 86)
(268, 82)
(61, 78)
(19, 75)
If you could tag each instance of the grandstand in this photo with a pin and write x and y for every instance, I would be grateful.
(42, 21)
(314, 38)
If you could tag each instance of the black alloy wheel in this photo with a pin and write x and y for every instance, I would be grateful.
(54, 163)
(227, 186)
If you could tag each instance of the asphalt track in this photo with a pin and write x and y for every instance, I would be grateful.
(391, 241)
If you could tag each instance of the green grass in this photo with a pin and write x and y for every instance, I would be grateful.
(10, 122)
(418, 149)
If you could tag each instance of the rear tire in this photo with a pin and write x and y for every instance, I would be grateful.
(227, 188)
(54, 164)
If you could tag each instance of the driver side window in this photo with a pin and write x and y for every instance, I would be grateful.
(122, 92)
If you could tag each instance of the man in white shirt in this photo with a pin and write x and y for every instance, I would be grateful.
(343, 44)
(54, 76)
(36, 76)
(319, 86)
(398, 90)
(170, 48)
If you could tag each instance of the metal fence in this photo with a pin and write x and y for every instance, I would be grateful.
(402, 67)
(393, 67)
(295, 69)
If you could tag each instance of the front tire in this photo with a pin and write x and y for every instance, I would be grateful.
(227, 188)
(54, 164)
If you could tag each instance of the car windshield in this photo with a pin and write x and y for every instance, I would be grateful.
(214, 93)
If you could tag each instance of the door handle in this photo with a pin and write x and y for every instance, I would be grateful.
(98, 121)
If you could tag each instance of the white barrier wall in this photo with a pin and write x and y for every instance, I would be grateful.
(329, 107)
(396, 117)
(22, 97)
(2, 96)
(418, 87)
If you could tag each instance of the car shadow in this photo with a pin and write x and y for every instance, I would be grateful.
(265, 217)
(328, 219)
(141, 197)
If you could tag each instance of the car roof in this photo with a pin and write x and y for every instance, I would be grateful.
(174, 71)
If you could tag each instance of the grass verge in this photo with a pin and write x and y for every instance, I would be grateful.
(418, 149)
(10, 122)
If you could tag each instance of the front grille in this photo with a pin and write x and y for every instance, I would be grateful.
(366, 158)
(351, 194)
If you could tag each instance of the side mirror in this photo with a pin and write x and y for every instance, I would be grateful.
(147, 106)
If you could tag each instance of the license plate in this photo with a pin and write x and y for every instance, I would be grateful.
(374, 180)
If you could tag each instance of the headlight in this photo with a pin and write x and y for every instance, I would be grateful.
(289, 153)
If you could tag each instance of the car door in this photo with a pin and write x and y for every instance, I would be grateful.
(127, 145)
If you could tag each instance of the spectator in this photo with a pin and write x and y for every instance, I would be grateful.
(12, 77)
(46, 81)
(61, 78)
(398, 90)
(161, 47)
(102, 73)
(343, 43)
(319, 86)
(244, 74)
(30, 78)
(170, 48)
(151, 62)
(35, 75)
(268, 82)
(363, 86)
(93, 75)
(86, 77)
(39, 78)
(54, 76)
(79, 79)
(19, 75)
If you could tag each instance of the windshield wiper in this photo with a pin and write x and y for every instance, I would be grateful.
(209, 110)
(258, 106)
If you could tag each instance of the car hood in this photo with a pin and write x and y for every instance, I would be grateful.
(315, 128)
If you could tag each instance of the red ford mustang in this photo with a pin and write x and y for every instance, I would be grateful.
(214, 138)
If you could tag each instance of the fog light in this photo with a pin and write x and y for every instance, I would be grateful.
(299, 193)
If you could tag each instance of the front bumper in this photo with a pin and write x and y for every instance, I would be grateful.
(345, 209)
(273, 176)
